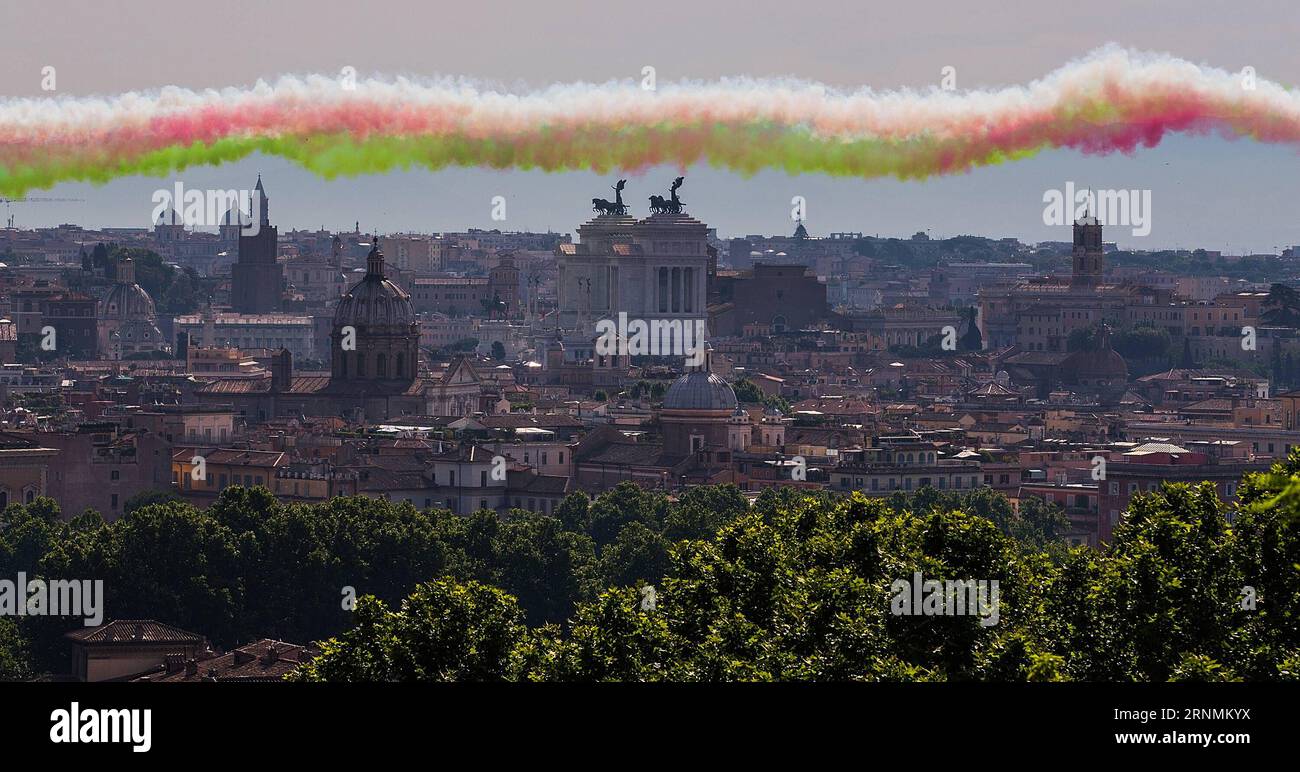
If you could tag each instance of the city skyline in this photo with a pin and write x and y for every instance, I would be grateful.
(1194, 180)
(536, 205)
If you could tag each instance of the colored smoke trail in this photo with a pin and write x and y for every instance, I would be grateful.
(1110, 101)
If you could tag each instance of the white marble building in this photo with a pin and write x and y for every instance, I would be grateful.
(651, 269)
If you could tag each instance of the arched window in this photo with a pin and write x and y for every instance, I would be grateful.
(343, 364)
(361, 365)
(401, 365)
(381, 365)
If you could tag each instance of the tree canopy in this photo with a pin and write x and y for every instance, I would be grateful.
(703, 586)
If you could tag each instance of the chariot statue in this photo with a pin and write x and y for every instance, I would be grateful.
(601, 206)
(671, 205)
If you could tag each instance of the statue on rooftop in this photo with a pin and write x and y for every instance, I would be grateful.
(616, 206)
(672, 205)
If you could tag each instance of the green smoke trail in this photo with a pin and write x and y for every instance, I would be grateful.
(744, 149)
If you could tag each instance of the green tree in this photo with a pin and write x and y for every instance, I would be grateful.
(444, 631)
(1282, 306)
(15, 657)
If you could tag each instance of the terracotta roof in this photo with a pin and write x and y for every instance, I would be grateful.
(627, 453)
(234, 456)
(524, 482)
(264, 660)
(302, 384)
(134, 631)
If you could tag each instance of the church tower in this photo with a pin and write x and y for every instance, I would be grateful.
(503, 284)
(257, 279)
(1089, 259)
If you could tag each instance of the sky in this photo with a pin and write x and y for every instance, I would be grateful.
(1231, 195)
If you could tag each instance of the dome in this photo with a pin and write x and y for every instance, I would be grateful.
(1096, 363)
(127, 302)
(1093, 365)
(375, 300)
(234, 216)
(700, 390)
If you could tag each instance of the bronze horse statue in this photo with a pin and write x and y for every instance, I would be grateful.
(616, 206)
(673, 205)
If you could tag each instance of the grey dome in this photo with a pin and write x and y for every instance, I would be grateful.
(374, 301)
(700, 391)
(127, 302)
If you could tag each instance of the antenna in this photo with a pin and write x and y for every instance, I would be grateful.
(9, 202)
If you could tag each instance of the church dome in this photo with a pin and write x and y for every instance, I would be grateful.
(1095, 365)
(700, 390)
(375, 300)
(127, 301)
(234, 216)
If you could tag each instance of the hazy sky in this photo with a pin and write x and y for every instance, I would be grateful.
(1230, 195)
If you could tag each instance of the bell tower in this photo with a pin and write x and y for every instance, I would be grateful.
(1089, 258)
